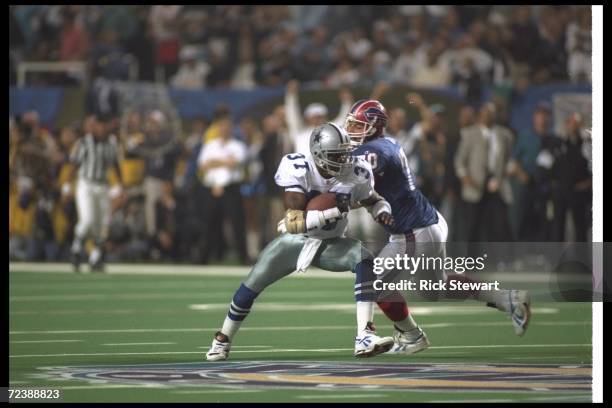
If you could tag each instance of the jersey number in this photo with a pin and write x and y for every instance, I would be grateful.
(296, 157)
(406, 168)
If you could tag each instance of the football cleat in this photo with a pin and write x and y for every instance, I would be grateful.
(368, 344)
(220, 348)
(520, 310)
(407, 344)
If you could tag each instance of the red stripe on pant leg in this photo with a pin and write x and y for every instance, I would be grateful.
(395, 310)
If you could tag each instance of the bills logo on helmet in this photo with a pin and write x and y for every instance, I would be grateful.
(372, 114)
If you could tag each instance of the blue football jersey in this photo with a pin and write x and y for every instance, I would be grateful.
(395, 182)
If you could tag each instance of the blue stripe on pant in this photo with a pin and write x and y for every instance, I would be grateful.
(364, 281)
(241, 303)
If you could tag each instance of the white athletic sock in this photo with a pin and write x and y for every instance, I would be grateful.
(365, 314)
(230, 327)
(500, 298)
(407, 324)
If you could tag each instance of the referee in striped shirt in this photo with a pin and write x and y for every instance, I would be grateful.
(93, 156)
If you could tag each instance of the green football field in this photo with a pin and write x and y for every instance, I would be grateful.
(139, 334)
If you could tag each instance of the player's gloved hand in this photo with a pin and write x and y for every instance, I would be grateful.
(318, 219)
(385, 218)
(295, 222)
(343, 202)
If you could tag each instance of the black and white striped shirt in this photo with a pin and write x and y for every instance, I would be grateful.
(95, 158)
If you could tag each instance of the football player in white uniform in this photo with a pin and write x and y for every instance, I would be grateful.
(316, 237)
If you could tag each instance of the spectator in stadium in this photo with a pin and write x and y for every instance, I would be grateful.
(405, 65)
(253, 187)
(222, 160)
(574, 181)
(132, 135)
(160, 151)
(74, 42)
(270, 155)
(433, 68)
(163, 245)
(480, 163)
(192, 72)
(534, 156)
(578, 45)
(315, 114)
(451, 206)
(32, 158)
(431, 149)
(314, 55)
(128, 240)
(165, 25)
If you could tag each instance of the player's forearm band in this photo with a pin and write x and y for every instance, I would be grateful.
(380, 207)
(318, 219)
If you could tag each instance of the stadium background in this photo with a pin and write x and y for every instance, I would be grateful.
(198, 63)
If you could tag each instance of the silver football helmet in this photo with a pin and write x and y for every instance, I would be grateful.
(331, 148)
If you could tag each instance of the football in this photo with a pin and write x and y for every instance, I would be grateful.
(322, 202)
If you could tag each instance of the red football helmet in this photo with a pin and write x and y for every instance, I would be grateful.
(370, 115)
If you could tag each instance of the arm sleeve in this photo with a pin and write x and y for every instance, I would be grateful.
(290, 177)
(365, 186)
(345, 108)
(293, 115)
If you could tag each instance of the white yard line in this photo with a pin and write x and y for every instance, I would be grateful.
(340, 396)
(233, 271)
(136, 344)
(45, 341)
(301, 350)
(233, 391)
(281, 328)
(104, 386)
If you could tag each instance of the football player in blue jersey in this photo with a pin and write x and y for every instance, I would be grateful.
(418, 225)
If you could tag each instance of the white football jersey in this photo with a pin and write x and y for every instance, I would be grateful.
(298, 173)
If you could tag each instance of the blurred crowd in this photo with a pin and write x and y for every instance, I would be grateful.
(242, 46)
(209, 195)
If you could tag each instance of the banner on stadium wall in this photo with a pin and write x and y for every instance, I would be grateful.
(46, 101)
(561, 97)
(262, 101)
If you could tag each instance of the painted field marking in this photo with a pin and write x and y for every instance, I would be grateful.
(470, 401)
(409, 382)
(227, 271)
(291, 350)
(137, 344)
(340, 396)
(232, 391)
(418, 310)
(270, 328)
(103, 386)
(45, 341)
